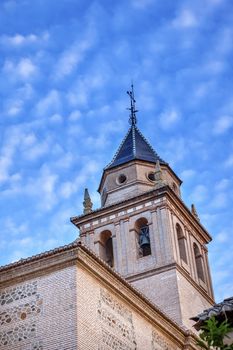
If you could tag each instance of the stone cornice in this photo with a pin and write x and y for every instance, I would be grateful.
(39, 264)
(160, 192)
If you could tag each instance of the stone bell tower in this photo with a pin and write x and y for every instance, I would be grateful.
(145, 231)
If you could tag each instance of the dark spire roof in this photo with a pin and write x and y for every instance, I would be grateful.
(134, 146)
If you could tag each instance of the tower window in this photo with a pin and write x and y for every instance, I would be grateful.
(174, 187)
(198, 262)
(103, 197)
(106, 248)
(181, 243)
(151, 176)
(143, 237)
(121, 179)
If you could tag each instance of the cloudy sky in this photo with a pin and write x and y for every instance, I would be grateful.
(65, 66)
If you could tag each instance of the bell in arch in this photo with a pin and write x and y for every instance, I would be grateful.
(144, 240)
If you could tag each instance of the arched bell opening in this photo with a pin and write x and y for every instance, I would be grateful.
(198, 262)
(181, 243)
(143, 237)
(106, 247)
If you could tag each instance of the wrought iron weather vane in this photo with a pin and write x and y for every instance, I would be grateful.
(133, 111)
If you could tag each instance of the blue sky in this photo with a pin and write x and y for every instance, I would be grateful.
(65, 67)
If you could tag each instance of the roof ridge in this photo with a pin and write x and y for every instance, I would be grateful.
(134, 146)
(134, 140)
(148, 144)
(118, 150)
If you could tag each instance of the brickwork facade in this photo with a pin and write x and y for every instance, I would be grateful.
(40, 313)
(157, 274)
(83, 296)
(71, 300)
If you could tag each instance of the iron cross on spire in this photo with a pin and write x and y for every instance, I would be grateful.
(132, 118)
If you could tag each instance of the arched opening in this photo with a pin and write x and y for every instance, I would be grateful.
(181, 243)
(198, 262)
(106, 248)
(143, 237)
(174, 187)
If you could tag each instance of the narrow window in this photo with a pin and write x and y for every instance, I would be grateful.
(198, 262)
(106, 248)
(181, 243)
(143, 237)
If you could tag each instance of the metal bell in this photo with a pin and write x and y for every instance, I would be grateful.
(144, 238)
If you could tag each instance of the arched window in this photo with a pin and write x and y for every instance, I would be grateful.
(143, 237)
(174, 187)
(106, 248)
(198, 262)
(181, 243)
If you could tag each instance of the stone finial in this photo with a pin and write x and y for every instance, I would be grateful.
(194, 212)
(87, 203)
(158, 172)
(158, 176)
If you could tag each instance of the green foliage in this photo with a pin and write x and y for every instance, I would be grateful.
(212, 335)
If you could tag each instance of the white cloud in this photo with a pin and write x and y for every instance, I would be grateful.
(24, 69)
(50, 103)
(65, 161)
(219, 200)
(168, 118)
(222, 185)
(11, 228)
(56, 118)
(15, 107)
(214, 67)
(187, 174)
(185, 19)
(19, 40)
(69, 187)
(229, 161)
(43, 188)
(75, 115)
(37, 150)
(15, 104)
(8, 151)
(71, 57)
(29, 139)
(221, 237)
(223, 124)
(199, 194)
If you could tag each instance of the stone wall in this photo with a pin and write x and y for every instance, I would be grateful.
(162, 290)
(40, 313)
(191, 302)
(106, 321)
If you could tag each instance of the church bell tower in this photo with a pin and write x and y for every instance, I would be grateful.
(145, 231)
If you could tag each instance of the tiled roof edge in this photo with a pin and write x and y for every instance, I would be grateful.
(41, 255)
(118, 150)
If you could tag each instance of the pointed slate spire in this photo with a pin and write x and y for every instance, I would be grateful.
(194, 212)
(134, 145)
(87, 203)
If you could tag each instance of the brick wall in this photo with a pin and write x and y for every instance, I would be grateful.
(162, 290)
(40, 313)
(106, 321)
(191, 302)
